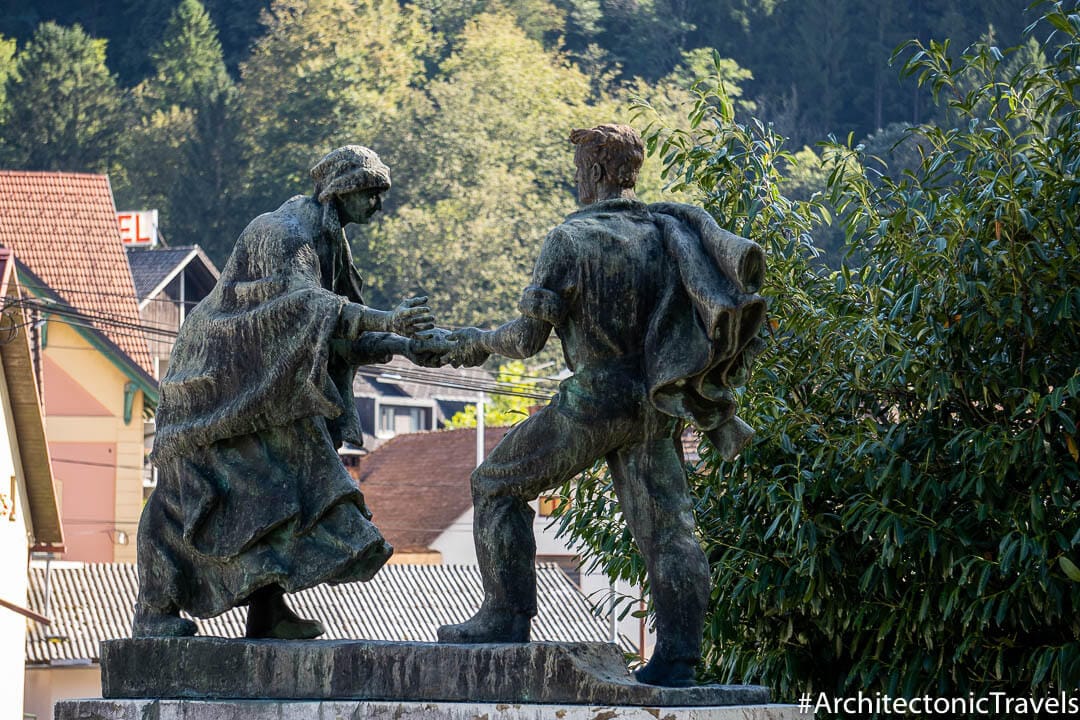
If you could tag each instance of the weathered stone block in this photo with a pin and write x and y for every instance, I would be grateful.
(364, 710)
(540, 672)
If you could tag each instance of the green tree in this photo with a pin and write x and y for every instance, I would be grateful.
(666, 104)
(182, 156)
(510, 406)
(239, 27)
(7, 67)
(536, 18)
(325, 73)
(63, 107)
(135, 29)
(485, 171)
(188, 65)
(907, 520)
(818, 58)
(646, 37)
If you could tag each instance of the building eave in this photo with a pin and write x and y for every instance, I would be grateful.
(29, 422)
(196, 252)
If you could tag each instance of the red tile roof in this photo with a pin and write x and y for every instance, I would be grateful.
(63, 228)
(417, 484)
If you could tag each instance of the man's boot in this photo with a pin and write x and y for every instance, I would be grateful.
(679, 579)
(678, 648)
(506, 552)
(667, 672)
(488, 625)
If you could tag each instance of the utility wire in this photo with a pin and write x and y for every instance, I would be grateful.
(499, 388)
(114, 332)
(50, 307)
(461, 381)
(107, 319)
(91, 463)
(101, 293)
(418, 376)
(165, 331)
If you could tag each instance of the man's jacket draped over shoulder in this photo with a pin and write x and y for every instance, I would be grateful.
(255, 353)
(655, 300)
(693, 359)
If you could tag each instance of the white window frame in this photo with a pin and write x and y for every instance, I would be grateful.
(402, 402)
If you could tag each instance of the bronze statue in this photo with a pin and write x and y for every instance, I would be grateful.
(657, 310)
(252, 499)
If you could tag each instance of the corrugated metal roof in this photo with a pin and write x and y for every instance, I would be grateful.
(63, 228)
(92, 602)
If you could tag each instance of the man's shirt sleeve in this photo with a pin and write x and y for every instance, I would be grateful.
(548, 296)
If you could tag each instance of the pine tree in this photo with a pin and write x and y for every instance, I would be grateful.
(63, 106)
(182, 156)
(189, 68)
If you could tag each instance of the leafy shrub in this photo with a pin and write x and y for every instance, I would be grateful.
(907, 519)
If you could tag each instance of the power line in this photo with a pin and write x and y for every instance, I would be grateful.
(167, 332)
(90, 326)
(106, 319)
(480, 376)
(114, 323)
(458, 380)
(101, 293)
(494, 387)
(91, 463)
(418, 376)
(164, 330)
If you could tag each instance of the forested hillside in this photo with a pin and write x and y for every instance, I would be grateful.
(212, 112)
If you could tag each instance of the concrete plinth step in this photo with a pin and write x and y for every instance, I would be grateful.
(365, 710)
(541, 672)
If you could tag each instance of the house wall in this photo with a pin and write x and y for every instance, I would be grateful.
(97, 457)
(456, 546)
(14, 547)
(47, 685)
(86, 473)
(158, 313)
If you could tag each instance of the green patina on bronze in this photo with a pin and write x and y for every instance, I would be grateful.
(252, 499)
(658, 315)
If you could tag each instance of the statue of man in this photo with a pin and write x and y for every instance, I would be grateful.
(656, 309)
(252, 499)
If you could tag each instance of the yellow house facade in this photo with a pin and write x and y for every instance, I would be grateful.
(95, 429)
(96, 370)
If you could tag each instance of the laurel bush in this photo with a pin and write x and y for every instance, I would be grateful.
(907, 519)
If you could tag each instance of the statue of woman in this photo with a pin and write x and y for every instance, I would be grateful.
(252, 499)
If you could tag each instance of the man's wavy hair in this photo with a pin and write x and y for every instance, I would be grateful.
(616, 148)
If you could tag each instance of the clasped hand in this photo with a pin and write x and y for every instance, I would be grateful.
(408, 319)
(438, 347)
(467, 348)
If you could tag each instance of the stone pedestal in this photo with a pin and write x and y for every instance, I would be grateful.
(206, 678)
(376, 710)
(204, 668)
